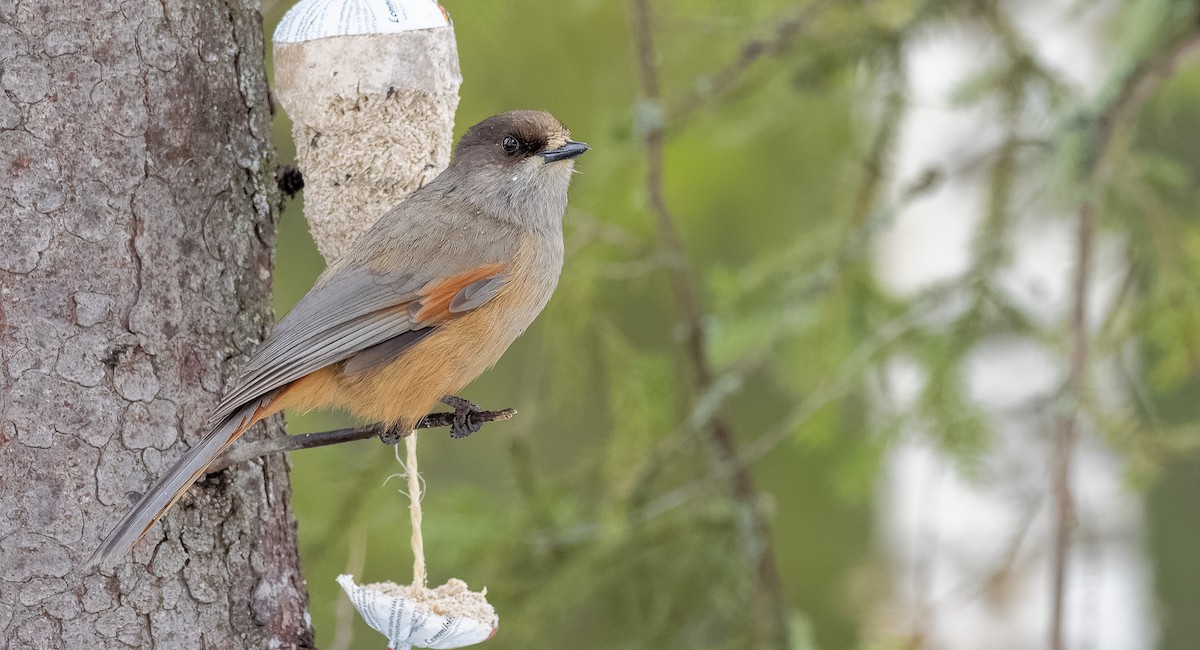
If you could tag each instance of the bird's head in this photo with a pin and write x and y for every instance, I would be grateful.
(517, 165)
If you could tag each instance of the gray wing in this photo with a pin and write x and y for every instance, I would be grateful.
(352, 311)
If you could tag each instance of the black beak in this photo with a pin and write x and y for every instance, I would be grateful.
(566, 152)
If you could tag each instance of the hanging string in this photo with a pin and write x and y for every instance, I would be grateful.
(414, 510)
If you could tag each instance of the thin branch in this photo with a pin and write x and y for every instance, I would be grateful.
(1068, 427)
(337, 436)
(770, 609)
(529, 485)
(730, 76)
(1113, 121)
(1137, 87)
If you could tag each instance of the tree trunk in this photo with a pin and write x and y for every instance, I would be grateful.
(135, 268)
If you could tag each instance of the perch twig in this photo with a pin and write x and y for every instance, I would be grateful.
(254, 450)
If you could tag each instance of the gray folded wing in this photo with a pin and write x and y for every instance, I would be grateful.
(350, 312)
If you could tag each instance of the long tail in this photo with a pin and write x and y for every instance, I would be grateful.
(155, 503)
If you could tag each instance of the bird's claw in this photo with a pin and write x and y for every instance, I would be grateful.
(464, 423)
(392, 435)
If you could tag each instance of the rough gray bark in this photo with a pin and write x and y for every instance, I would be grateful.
(135, 262)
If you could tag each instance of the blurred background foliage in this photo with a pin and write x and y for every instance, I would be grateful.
(602, 516)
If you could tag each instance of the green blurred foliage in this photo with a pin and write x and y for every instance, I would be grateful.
(596, 518)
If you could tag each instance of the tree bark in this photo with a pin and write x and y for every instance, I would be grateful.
(136, 237)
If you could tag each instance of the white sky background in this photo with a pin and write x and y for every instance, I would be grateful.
(945, 535)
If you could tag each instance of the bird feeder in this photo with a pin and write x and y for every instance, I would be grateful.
(371, 87)
(451, 616)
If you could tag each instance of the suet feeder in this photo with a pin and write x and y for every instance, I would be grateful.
(371, 87)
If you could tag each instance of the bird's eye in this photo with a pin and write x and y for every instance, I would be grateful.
(510, 144)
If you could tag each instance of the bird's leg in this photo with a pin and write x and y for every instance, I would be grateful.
(464, 423)
(393, 434)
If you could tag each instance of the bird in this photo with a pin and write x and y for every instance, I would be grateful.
(424, 301)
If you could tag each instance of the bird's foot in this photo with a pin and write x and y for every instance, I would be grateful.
(464, 423)
(393, 434)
